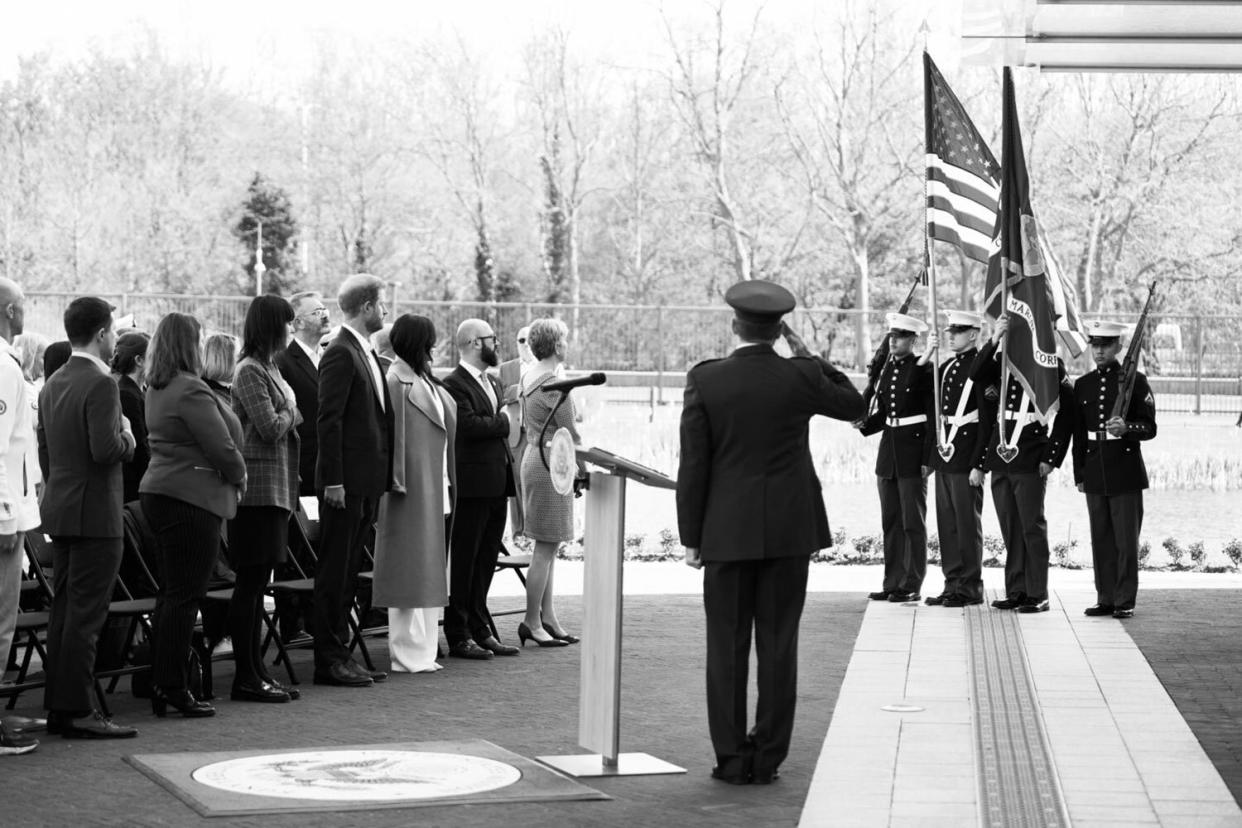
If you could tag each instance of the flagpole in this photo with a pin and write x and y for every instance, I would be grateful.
(929, 252)
(259, 268)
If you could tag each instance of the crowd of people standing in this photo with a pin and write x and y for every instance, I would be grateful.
(214, 444)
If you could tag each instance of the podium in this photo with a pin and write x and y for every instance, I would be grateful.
(599, 689)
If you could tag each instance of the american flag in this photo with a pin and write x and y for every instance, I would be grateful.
(962, 174)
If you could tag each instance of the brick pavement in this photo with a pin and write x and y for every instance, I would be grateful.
(527, 704)
(1193, 641)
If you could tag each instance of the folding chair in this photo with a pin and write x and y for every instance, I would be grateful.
(30, 625)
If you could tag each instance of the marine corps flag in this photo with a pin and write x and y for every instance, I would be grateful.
(1030, 347)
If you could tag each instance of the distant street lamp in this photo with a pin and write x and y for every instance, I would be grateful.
(259, 268)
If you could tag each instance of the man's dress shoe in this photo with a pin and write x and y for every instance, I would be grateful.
(731, 778)
(902, 597)
(882, 595)
(341, 674)
(961, 601)
(1098, 610)
(765, 777)
(1123, 612)
(1007, 603)
(493, 644)
(1034, 606)
(468, 649)
(935, 600)
(97, 726)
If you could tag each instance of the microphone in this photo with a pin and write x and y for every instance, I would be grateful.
(597, 378)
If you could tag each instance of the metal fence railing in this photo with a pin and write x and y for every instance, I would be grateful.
(1195, 361)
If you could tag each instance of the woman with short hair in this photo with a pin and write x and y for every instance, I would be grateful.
(411, 540)
(259, 534)
(193, 483)
(220, 364)
(549, 516)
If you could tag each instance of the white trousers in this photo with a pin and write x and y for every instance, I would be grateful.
(413, 635)
(10, 595)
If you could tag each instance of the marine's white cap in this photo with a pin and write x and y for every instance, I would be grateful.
(905, 323)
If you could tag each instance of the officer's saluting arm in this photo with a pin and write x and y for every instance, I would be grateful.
(835, 394)
(1141, 418)
(694, 468)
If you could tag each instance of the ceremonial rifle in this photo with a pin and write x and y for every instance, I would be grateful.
(1129, 367)
(876, 365)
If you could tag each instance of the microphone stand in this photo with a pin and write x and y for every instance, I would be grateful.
(542, 455)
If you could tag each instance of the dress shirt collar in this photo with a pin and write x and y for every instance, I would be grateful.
(474, 372)
(362, 340)
(99, 363)
(313, 355)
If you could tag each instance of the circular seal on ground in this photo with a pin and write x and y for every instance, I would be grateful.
(562, 462)
(374, 775)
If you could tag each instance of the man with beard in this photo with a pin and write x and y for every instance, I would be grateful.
(959, 475)
(83, 439)
(485, 481)
(1109, 469)
(353, 471)
(904, 405)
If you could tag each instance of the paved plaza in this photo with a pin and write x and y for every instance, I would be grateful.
(1138, 720)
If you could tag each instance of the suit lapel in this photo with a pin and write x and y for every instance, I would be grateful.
(304, 363)
(477, 393)
(364, 354)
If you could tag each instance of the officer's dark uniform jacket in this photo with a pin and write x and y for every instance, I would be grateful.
(904, 412)
(1035, 444)
(1104, 464)
(969, 438)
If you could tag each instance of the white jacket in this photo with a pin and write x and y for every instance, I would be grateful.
(19, 461)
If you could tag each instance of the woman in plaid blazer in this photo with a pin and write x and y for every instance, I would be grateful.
(258, 536)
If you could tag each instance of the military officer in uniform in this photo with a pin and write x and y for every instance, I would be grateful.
(958, 463)
(1109, 469)
(1020, 483)
(750, 514)
(903, 410)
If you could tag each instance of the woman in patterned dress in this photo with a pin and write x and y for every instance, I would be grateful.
(549, 516)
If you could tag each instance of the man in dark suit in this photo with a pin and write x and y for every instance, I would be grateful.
(299, 365)
(750, 513)
(1109, 469)
(903, 408)
(958, 465)
(1020, 484)
(354, 470)
(83, 439)
(484, 482)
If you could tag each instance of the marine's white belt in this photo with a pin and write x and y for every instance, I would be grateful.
(895, 422)
(954, 420)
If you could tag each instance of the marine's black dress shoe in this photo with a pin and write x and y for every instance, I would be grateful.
(1123, 612)
(902, 597)
(1008, 603)
(259, 691)
(468, 649)
(731, 778)
(1033, 606)
(342, 674)
(493, 644)
(882, 595)
(956, 600)
(935, 600)
(1098, 610)
(97, 726)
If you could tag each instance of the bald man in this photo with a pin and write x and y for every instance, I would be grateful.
(485, 479)
(19, 511)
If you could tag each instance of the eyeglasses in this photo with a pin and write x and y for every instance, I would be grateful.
(315, 312)
(492, 337)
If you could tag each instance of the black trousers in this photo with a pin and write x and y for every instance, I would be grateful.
(477, 528)
(187, 541)
(260, 536)
(83, 577)
(959, 519)
(766, 596)
(1116, 521)
(342, 534)
(1019, 500)
(903, 514)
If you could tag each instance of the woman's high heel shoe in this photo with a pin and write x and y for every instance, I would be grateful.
(525, 633)
(181, 700)
(566, 637)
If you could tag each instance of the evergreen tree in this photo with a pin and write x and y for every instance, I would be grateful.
(268, 204)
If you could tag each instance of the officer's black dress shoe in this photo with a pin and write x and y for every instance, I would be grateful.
(493, 644)
(731, 778)
(1034, 606)
(765, 777)
(1123, 613)
(882, 595)
(956, 600)
(468, 649)
(342, 674)
(1008, 603)
(935, 600)
(902, 597)
(97, 726)
(1098, 610)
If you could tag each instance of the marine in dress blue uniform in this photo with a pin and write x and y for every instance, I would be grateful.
(903, 410)
(1020, 485)
(1109, 470)
(960, 474)
(750, 512)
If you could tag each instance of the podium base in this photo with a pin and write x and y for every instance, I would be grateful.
(627, 764)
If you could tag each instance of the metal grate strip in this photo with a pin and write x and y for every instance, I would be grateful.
(1017, 780)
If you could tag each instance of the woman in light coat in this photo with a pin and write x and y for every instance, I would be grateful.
(412, 531)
